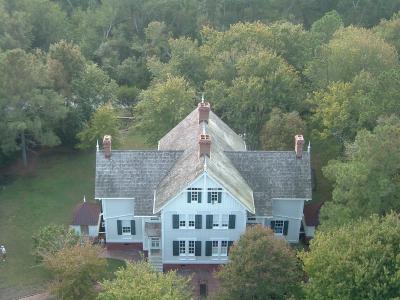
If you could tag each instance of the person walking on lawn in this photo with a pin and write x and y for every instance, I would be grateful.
(3, 252)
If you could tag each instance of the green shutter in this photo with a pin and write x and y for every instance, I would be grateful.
(198, 248)
(175, 221)
(232, 221)
(133, 227)
(219, 197)
(175, 248)
(199, 197)
(209, 197)
(119, 227)
(189, 197)
(208, 248)
(230, 243)
(285, 227)
(209, 221)
(272, 225)
(198, 221)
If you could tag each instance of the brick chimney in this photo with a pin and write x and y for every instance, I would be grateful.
(204, 145)
(107, 146)
(204, 111)
(298, 147)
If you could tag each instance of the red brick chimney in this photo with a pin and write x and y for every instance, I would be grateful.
(107, 146)
(204, 145)
(204, 111)
(298, 147)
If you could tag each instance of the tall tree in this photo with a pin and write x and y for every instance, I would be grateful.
(367, 181)
(103, 121)
(140, 281)
(359, 260)
(350, 51)
(389, 30)
(261, 266)
(279, 131)
(31, 108)
(162, 106)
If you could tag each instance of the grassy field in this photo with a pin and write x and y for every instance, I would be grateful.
(46, 195)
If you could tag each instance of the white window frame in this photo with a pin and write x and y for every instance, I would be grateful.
(191, 222)
(225, 221)
(155, 243)
(224, 248)
(216, 221)
(281, 227)
(126, 227)
(182, 220)
(214, 194)
(182, 246)
(213, 248)
(189, 247)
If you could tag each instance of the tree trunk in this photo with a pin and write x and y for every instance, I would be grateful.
(23, 149)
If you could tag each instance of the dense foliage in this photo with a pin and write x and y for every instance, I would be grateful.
(51, 239)
(76, 270)
(360, 260)
(140, 281)
(261, 266)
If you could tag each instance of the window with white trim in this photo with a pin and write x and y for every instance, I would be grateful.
(215, 248)
(278, 229)
(214, 195)
(215, 221)
(195, 194)
(182, 221)
(191, 221)
(224, 248)
(126, 227)
(224, 221)
(191, 248)
(182, 247)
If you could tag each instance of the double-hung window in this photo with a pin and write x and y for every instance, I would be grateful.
(215, 221)
(191, 248)
(278, 228)
(224, 221)
(224, 248)
(215, 248)
(182, 247)
(191, 221)
(214, 195)
(182, 221)
(126, 227)
(194, 195)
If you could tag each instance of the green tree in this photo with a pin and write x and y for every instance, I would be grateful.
(389, 30)
(359, 260)
(261, 266)
(350, 51)
(76, 270)
(264, 80)
(140, 281)
(162, 106)
(103, 121)
(325, 27)
(31, 108)
(51, 239)
(367, 181)
(279, 131)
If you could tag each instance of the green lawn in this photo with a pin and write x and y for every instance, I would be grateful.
(47, 195)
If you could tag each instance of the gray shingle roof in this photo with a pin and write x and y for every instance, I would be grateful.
(133, 174)
(189, 166)
(273, 174)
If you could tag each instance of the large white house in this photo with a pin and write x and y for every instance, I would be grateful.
(188, 201)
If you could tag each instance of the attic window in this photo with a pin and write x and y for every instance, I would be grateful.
(194, 195)
(214, 195)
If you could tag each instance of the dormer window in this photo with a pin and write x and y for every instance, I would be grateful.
(194, 195)
(214, 195)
